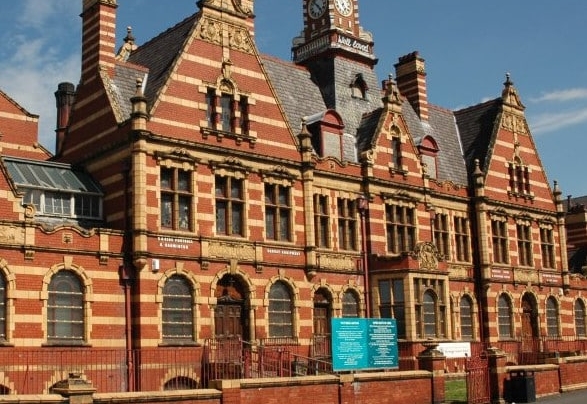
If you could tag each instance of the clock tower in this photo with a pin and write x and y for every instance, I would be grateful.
(338, 53)
(332, 27)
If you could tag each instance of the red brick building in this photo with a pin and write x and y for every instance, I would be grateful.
(211, 191)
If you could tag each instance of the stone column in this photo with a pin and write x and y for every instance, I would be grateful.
(432, 360)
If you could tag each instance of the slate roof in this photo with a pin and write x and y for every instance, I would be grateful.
(476, 125)
(462, 136)
(451, 163)
(159, 54)
(299, 96)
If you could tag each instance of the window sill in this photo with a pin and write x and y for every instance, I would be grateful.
(179, 344)
(81, 344)
(220, 134)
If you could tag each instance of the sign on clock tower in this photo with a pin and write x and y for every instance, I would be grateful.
(332, 27)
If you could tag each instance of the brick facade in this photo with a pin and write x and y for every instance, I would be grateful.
(384, 204)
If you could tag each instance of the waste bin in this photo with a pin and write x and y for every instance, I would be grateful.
(522, 386)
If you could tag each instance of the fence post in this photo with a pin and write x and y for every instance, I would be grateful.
(76, 389)
(497, 364)
(432, 360)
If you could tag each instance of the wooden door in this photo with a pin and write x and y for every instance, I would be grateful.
(529, 324)
(228, 321)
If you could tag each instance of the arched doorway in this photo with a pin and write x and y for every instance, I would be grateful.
(322, 315)
(231, 314)
(529, 331)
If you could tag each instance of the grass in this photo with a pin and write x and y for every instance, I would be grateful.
(456, 391)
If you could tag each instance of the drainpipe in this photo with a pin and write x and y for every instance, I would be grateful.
(363, 206)
(126, 273)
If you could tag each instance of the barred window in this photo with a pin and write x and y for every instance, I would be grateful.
(547, 247)
(280, 311)
(580, 313)
(392, 303)
(466, 318)
(525, 245)
(350, 304)
(321, 221)
(65, 309)
(277, 212)
(462, 239)
(504, 316)
(441, 235)
(401, 229)
(552, 320)
(230, 206)
(500, 241)
(347, 224)
(178, 312)
(176, 199)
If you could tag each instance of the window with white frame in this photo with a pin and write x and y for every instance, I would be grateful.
(65, 309)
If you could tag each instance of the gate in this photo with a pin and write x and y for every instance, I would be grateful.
(478, 391)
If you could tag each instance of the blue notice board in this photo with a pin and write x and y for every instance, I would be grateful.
(364, 343)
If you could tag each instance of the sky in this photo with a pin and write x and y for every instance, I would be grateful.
(469, 46)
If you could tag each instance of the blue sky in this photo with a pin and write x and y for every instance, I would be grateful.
(469, 46)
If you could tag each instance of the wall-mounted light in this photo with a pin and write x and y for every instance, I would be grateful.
(155, 265)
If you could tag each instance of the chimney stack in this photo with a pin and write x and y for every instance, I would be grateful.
(64, 97)
(410, 74)
(98, 36)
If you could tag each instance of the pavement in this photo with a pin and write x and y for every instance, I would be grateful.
(572, 397)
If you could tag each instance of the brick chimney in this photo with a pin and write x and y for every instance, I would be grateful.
(410, 74)
(98, 36)
(64, 98)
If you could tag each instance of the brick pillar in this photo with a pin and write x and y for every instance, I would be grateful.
(497, 364)
(346, 389)
(432, 360)
(231, 390)
(76, 389)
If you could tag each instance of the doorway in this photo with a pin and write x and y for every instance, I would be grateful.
(231, 312)
(529, 332)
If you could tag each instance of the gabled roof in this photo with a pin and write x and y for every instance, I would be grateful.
(159, 54)
(476, 125)
(17, 105)
(49, 176)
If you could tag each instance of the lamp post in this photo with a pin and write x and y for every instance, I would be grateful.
(363, 206)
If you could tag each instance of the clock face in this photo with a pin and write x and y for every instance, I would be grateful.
(345, 7)
(316, 8)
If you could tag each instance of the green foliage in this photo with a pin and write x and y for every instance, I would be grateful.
(456, 391)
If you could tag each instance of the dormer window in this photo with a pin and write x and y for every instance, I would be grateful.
(429, 152)
(359, 87)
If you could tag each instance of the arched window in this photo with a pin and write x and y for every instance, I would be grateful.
(350, 304)
(65, 309)
(359, 87)
(178, 310)
(552, 325)
(429, 314)
(466, 318)
(504, 316)
(580, 330)
(181, 383)
(280, 311)
(2, 308)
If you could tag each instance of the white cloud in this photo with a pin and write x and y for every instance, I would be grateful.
(550, 122)
(562, 95)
